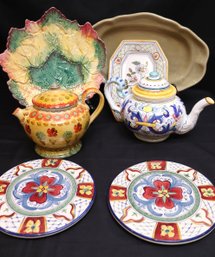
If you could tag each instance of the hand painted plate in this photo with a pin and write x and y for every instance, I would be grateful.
(133, 60)
(187, 54)
(163, 202)
(52, 50)
(43, 197)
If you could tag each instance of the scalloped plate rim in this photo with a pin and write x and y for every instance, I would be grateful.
(104, 26)
(142, 236)
(59, 229)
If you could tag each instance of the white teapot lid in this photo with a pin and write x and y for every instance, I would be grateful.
(153, 82)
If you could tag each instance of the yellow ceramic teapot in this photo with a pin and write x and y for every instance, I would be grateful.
(57, 120)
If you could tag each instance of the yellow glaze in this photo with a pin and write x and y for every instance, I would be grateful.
(154, 94)
(57, 127)
(56, 99)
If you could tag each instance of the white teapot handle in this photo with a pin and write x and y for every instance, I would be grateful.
(115, 92)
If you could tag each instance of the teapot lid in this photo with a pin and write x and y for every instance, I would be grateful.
(55, 98)
(154, 87)
(154, 82)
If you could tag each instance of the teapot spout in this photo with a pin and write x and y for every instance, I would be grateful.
(191, 119)
(19, 113)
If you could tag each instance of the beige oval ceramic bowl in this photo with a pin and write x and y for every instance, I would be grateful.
(187, 54)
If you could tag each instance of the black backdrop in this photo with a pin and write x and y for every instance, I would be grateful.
(108, 147)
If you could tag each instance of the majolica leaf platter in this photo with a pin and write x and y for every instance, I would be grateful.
(52, 50)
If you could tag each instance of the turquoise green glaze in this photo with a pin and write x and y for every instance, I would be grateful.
(100, 54)
(16, 38)
(55, 17)
(57, 70)
(52, 40)
(86, 67)
(14, 88)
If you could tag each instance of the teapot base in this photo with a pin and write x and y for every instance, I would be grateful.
(151, 139)
(58, 153)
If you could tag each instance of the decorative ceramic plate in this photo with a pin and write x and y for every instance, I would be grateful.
(163, 202)
(132, 61)
(52, 50)
(187, 54)
(43, 197)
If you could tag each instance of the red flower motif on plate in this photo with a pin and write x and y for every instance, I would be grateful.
(3, 186)
(53, 163)
(52, 132)
(163, 194)
(156, 165)
(33, 225)
(207, 192)
(39, 192)
(167, 232)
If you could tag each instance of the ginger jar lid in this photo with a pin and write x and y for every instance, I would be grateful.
(55, 98)
(154, 87)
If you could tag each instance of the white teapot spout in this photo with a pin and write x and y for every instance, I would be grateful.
(190, 120)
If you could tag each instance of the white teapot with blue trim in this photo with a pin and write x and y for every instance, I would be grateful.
(152, 111)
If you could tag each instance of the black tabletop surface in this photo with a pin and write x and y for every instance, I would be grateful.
(108, 147)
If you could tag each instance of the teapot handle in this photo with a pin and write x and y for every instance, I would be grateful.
(107, 91)
(100, 106)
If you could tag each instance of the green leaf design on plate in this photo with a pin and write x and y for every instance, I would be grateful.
(44, 59)
(52, 40)
(100, 54)
(53, 16)
(58, 70)
(14, 88)
(16, 38)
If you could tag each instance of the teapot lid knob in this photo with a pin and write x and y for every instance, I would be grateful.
(154, 75)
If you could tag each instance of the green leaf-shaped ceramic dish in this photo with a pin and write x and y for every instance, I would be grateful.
(52, 50)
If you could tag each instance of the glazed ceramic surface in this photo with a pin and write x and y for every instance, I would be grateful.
(57, 121)
(163, 202)
(43, 197)
(187, 54)
(159, 120)
(132, 61)
(151, 109)
(52, 50)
